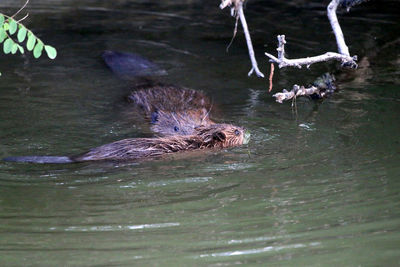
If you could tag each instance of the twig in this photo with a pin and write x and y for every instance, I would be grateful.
(19, 21)
(234, 34)
(237, 10)
(234, 4)
(271, 75)
(284, 62)
(225, 3)
(22, 8)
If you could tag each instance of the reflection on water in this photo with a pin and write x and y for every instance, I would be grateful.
(260, 250)
(316, 187)
(109, 228)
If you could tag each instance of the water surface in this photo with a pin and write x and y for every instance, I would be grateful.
(316, 186)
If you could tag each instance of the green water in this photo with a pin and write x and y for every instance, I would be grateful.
(315, 186)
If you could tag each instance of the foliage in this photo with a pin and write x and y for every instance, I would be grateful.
(13, 34)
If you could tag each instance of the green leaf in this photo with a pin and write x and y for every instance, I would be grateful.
(14, 48)
(6, 26)
(1, 20)
(37, 52)
(13, 26)
(51, 51)
(3, 35)
(7, 46)
(21, 34)
(31, 41)
(21, 49)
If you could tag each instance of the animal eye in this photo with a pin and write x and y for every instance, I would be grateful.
(176, 128)
(237, 132)
(154, 117)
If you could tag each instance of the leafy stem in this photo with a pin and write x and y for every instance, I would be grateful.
(10, 26)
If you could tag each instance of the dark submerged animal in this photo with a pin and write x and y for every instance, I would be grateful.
(129, 66)
(213, 136)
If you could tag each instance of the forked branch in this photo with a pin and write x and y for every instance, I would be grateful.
(282, 61)
(343, 55)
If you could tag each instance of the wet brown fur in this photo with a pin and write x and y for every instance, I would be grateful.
(212, 136)
(168, 97)
(172, 110)
(180, 116)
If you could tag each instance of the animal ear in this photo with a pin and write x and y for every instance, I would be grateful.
(219, 136)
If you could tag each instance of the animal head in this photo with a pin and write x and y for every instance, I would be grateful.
(223, 135)
(178, 123)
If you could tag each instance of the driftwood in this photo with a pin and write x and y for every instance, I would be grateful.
(322, 87)
(298, 91)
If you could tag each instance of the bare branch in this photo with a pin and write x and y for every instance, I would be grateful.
(343, 56)
(322, 87)
(249, 43)
(297, 91)
(237, 10)
(285, 62)
(331, 11)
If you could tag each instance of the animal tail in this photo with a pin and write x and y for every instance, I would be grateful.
(40, 159)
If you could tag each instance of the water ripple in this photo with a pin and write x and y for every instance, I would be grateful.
(259, 250)
(111, 228)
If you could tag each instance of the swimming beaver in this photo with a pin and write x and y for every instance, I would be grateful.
(172, 110)
(181, 115)
(213, 136)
